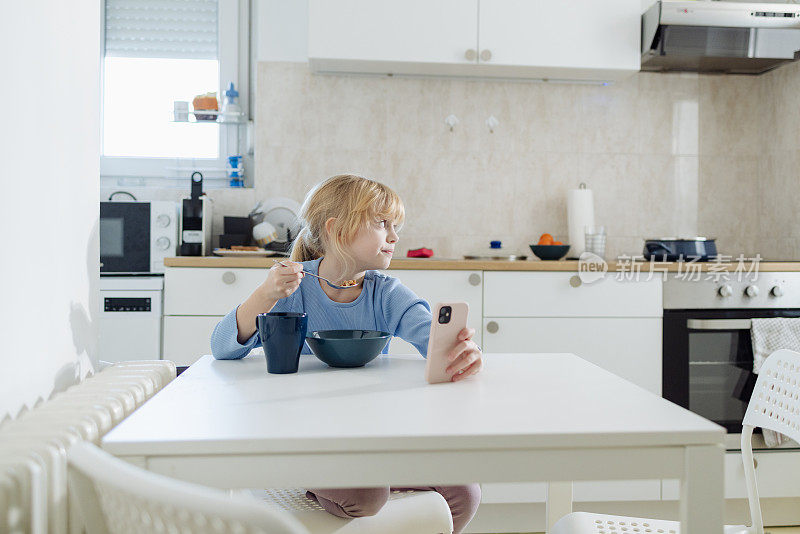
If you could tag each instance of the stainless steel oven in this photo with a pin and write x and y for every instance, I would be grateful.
(707, 348)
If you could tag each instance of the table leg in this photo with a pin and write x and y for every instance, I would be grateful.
(702, 490)
(559, 502)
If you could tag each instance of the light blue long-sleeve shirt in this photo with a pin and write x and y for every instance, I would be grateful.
(384, 304)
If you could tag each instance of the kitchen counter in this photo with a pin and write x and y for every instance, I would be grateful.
(500, 265)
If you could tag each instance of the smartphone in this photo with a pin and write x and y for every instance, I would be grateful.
(447, 321)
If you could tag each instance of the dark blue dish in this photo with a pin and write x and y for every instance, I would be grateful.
(347, 348)
(549, 252)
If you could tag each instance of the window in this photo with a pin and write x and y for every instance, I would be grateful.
(157, 52)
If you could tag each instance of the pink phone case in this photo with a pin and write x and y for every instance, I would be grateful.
(442, 339)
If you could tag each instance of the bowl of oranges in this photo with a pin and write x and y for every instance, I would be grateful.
(549, 249)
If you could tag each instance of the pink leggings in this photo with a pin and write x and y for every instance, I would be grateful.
(359, 502)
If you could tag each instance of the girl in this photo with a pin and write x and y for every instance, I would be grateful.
(350, 232)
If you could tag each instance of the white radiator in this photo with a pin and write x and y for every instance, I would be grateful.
(33, 447)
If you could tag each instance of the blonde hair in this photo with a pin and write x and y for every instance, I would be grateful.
(354, 202)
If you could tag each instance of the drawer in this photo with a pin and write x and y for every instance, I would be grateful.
(186, 339)
(208, 291)
(775, 476)
(443, 286)
(626, 346)
(550, 294)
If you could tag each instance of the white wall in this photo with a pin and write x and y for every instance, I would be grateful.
(49, 148)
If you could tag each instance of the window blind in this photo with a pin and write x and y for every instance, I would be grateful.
(161, 28)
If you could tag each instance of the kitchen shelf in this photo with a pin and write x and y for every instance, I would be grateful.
(239, 118)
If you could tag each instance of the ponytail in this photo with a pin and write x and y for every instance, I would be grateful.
(302, 248)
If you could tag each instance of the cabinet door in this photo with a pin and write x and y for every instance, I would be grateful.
(443, 286)
(590, 491)
(568, 34)
(773, 476)
(349, 34)
(550, 294)
(186, 339)
(628, 347)
(208, 291)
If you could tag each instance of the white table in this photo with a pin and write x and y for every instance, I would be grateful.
(525, 418)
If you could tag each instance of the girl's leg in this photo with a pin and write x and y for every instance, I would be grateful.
(351, 502)
(462, 500)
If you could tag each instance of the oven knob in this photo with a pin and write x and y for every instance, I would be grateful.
(162, 243)
(725, 291)
(163, 220)
(751, 291)
(776, 291)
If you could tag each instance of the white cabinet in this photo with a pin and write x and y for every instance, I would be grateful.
(208, 291)
(613, 324)
(195, 299)
(775, 476)
(556, 294)
(365, 35)
(187, 338)
(628, 347)
(443, 286)
(568, 39)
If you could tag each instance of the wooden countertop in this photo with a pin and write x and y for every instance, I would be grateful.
(499, 265)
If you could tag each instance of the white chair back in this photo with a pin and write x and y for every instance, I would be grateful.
(774, 405)
(118, 498)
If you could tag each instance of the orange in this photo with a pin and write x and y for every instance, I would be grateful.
(546, 239)
(558, 243)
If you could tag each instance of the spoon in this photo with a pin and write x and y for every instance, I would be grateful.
(334, 286)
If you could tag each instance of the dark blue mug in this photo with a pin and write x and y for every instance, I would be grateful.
(282, 336)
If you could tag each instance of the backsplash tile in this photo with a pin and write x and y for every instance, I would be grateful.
(665, 154)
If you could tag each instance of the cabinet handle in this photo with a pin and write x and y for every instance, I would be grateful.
(470, 54)
(755, 463)
(492, 327)
(475, 279)
(228, 277)
(486, 54)
(575, 280)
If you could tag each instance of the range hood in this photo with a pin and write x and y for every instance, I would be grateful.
(719, 37)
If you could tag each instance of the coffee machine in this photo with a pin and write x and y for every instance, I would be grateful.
(195, 231)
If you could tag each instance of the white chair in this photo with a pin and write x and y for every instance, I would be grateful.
(774, 405)
(118, 498)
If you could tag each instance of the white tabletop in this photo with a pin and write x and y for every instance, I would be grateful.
(517, 401)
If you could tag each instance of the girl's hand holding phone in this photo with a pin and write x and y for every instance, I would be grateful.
(281, 281)
(465, 357)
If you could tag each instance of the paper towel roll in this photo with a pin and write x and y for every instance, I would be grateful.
(580, 213)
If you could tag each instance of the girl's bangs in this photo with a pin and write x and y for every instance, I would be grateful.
(390, 207)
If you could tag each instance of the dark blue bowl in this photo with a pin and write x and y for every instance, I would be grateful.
(549, 252)
(347, 348)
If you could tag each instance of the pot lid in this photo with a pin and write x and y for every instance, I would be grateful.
(698, 238)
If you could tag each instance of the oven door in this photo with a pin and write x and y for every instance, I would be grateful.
(708, 361)
(124, 237)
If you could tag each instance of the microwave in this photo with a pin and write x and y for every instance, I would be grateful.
(135, 237)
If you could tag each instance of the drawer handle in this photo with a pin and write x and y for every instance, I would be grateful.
(474, 279)
(492, 327)
(575, 280)
(228, 277)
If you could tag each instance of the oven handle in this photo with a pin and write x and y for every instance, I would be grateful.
(718, 324)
